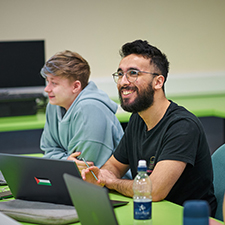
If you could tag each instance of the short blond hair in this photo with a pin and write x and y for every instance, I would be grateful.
(68, 64)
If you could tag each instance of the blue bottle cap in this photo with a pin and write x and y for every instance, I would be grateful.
(142, 165)
(196, 212)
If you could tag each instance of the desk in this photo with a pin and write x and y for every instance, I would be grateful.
(201, 106)
(25, 131)
(163, 212)
(209, 108)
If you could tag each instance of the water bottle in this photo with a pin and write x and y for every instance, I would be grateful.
(142, 198)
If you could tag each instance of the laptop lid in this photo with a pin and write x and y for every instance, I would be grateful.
(36, 178)
(91, 202)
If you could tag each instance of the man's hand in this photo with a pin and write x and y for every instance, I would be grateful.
(105, 177)
(88, 176)
(80, 164)
(108, 178)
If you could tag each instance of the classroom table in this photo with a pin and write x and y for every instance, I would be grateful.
(201, 106)
(163, 212)
(209, 108)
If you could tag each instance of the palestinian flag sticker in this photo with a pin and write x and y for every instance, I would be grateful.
(44, 182)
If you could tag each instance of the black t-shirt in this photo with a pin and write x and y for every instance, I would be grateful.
(178, 136)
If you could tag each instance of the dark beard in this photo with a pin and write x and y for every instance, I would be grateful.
(144, 100)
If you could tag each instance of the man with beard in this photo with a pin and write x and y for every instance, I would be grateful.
(167, 136)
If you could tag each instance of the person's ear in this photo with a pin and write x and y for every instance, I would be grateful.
(159, 81)
(77, 88)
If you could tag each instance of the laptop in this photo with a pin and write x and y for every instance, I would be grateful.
(36, 178)
(2, 179)
(91, 202)
(7, 220)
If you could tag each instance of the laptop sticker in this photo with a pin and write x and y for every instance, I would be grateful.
(43, 181)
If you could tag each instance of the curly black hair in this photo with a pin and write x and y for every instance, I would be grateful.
(140, 47)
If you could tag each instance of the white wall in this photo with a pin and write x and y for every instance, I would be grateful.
(191, 33)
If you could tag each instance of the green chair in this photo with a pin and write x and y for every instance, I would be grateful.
(218, 162)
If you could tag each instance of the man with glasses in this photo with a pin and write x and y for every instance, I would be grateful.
(167, 136)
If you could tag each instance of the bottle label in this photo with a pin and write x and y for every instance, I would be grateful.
(142, 210)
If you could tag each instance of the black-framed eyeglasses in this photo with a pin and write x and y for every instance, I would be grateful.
(131, 75)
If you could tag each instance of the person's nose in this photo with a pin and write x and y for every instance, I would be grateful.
(124, 80)
(47, 88)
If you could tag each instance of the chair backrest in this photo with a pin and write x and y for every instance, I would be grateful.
(218, 162)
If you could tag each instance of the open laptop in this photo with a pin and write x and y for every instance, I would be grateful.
(2, 179)
(7, 220)
(37, 179)
(91, 202)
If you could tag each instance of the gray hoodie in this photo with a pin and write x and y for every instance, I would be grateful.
(89, 126)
